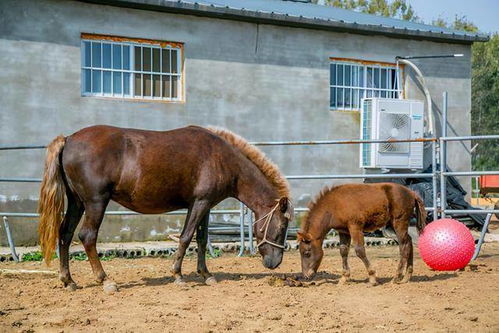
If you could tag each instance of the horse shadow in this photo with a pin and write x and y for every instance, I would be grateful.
(414, 279)
(194, 279)
(321, 278)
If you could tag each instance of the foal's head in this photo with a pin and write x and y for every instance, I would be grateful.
(270, 231)
(311, 253)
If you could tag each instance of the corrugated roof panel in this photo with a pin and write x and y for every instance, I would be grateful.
(299, 14)
(313, 11)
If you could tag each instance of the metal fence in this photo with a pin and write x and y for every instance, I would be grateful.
(438, 158)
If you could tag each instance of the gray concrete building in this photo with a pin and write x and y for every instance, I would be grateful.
(261, 68)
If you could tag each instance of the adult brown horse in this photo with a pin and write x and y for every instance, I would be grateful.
(155, 172)
(351, 209)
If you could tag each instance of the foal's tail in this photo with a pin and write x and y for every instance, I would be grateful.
(420, 213)
(51, 203)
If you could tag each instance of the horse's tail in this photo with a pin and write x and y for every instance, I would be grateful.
(420, 213)
(51, 203)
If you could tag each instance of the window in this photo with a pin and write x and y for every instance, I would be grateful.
(350, 81)
(128, 68)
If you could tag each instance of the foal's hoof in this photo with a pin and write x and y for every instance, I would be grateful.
(373, 282)
(405, 280)
(71, 286)
(180, 282)
(211, 281)
(110, 287)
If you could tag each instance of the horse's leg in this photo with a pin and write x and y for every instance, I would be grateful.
(410, 262)
(358, 241)
(202, 240)
(197, 212)
(66, 232)
(406, 251)
(344, 248)
(94, 213)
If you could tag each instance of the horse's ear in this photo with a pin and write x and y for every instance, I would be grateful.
(283, 204)
(286, 208)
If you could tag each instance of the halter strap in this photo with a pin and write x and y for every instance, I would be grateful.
(266, 224)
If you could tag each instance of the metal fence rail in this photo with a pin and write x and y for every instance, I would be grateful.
(438, 152)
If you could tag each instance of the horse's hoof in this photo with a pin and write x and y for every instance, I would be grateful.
(211, 281)
(396, 281)
(71, 286)
(373, 282)
(110, 287)
(180, 282)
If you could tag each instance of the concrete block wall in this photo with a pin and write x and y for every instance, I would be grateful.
(264, 82)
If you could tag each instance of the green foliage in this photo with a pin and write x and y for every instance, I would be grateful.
(80, 256)
(460, 23)
(396, 8)
(32, 256)
(216, 252)
(485, 102)
(107, 258)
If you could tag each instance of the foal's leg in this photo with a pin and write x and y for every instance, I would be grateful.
(66, 232)
(344, 248)
(198, 210)
(202, 240)
(358, 241)
(406, 251)
(94, 213)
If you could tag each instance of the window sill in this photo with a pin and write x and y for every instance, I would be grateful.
(131, 99)
(346, 111)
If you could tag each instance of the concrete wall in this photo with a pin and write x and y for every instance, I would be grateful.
(262, 81)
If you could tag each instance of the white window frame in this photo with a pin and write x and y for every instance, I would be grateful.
(132, 71)
(351, 90)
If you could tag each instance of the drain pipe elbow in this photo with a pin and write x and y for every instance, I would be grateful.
(429, 109)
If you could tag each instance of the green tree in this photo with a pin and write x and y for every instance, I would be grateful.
(485, 102)
(396, 8)
(459, 23)
(484, 95)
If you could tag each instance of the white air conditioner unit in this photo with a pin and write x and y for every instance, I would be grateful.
(398, 119)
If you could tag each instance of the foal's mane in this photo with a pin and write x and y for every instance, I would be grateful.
(314, 203)
(257, 157)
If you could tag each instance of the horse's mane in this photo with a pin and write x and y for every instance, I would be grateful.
(315, 202)
(257, 157)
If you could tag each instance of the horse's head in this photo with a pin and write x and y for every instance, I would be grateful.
(311, 253)
(270, 231)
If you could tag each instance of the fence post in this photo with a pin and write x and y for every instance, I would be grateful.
(482, 236)
(443, 158)
(434, 169)
(241, 229)
(10, 239)
(210, 247)
(250, 231)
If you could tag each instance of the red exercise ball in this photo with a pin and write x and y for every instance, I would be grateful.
(446, 245)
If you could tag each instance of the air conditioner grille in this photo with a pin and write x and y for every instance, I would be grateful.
(366, 132)
(394, 126)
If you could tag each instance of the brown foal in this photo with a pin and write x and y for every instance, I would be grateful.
(351, 209)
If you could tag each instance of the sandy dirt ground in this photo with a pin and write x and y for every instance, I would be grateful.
(245, 301)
